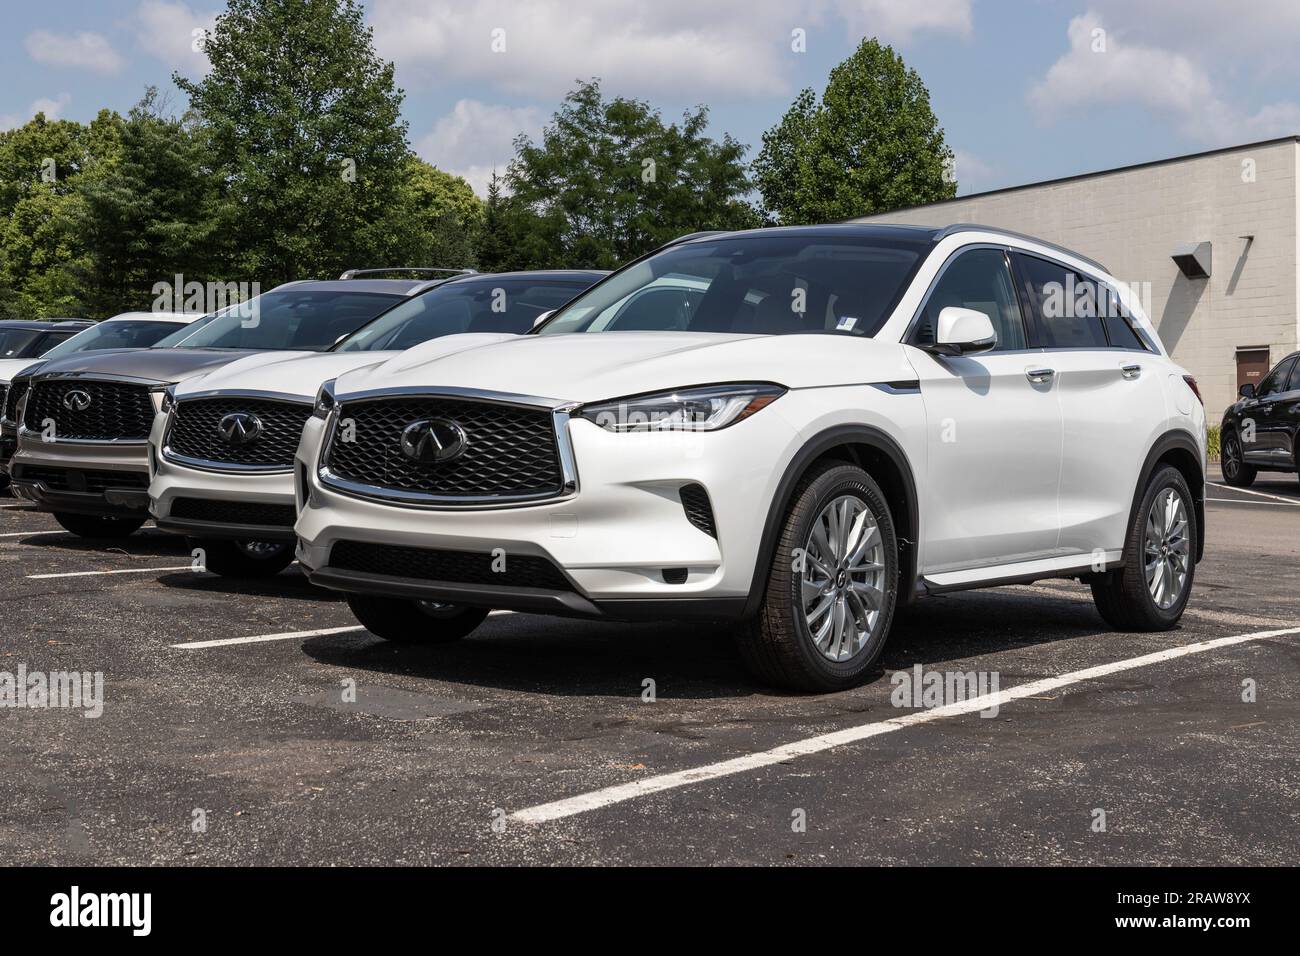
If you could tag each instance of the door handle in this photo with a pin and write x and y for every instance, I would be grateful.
(1040, 375)
(1130, 371)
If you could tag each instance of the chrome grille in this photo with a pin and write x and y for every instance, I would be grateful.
(510, 450)
(194, 432)
(117, 410)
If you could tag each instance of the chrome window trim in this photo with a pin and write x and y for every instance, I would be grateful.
(561, 415)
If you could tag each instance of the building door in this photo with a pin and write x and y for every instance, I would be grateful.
(1252, 365)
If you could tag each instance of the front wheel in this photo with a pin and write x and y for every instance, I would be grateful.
(404, 621)
(1235, 470)
(98, 526)
(831, 587)
(1150, 592)
(244, 559)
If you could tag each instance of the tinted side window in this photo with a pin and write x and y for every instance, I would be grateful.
(1293, 383)
(977, 280)
(1063, 303)
(1121, 328)
(1275, 382)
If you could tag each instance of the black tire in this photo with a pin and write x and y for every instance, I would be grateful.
(1121, 595)
(777, 645)
(248, 560)
(415, 622)
(1235, 470)
(98, 526)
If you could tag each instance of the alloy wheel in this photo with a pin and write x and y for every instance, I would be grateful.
(842, 580)
(1167, 548)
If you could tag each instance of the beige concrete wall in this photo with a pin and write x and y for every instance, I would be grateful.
(1132, 220)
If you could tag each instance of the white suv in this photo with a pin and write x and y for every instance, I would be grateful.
(805, 427)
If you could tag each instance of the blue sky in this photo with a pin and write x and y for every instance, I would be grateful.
(1025, 90)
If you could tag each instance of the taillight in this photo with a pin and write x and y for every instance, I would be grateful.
(1191, 383)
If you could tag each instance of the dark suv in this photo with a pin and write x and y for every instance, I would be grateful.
(1258, 432)
(20, 339)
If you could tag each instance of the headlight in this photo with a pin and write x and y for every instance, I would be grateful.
(702, 409)
(324, 400)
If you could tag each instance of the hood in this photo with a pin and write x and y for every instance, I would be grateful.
(157, 365)
(11, 367)
(298, 374)
(591, 366)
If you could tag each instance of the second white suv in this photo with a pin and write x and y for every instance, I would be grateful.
(808, 427)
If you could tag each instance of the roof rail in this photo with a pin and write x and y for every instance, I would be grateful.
(354, 273)
(957, 227)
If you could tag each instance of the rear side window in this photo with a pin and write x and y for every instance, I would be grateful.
(1064, 304)
(1293, 383)
(1121, 326)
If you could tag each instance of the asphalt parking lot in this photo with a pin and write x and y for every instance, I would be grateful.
(228, 734)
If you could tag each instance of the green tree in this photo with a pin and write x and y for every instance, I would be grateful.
(304, 127)
(610, 181)
(151, 214)
(434, 220)
(870, 145)
(42, 164)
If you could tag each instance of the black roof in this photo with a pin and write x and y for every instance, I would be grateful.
(544, 275)
(45, 325)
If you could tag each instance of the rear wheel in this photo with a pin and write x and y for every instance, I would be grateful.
(1150, 592)
(831, 587)
(242, 558)
(98, 526)
(404, 621)
(1235, 470)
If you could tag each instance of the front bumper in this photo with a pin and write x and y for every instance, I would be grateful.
(109, 479)
(623, 543)
(206, 503)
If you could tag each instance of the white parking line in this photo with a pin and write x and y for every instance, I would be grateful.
(1247, 491)
(639, 788)
(24, 534)
(283, 636)
(86, 574)
(260, 638)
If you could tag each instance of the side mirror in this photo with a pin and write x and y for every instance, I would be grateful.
(542, 318)
(963, 332)
(1246, 391)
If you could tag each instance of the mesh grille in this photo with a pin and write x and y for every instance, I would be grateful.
(12, 393)
(234, 512)
(455, 567)
(116, 410)
(510, 451)
(699, 511)
(73, 479)
(4, 402)
(194, 430)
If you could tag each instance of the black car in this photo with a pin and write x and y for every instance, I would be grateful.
(1258, 432)
(20, 339)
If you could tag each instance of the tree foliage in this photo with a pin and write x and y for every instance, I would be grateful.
(611, 180)
(871, 144)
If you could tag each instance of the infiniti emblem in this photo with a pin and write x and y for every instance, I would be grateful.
(77, 400)
(433, 440)
(240, 428)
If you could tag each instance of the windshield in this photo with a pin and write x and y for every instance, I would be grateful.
(182, 333)
(13, 341)
(754, 285)
(466, 305)
(115, 334)
(299, 319)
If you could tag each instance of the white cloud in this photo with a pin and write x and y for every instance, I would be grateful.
(476, 137)
(898, 21)
(684, 47)
(167, 31)
(973, 174)
(1104, 67)
(52, 108)
(85, 50)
